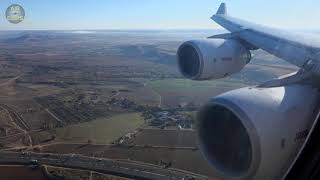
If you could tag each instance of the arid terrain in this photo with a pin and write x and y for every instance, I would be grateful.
(109, 94)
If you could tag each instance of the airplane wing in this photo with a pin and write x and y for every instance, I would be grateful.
(294, 48)
(266, 128)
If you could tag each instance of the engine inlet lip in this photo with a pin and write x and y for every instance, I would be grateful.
(251, 130)
(200, 59)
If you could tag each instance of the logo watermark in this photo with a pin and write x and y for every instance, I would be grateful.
(15, 13)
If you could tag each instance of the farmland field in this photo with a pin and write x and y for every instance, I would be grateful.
(112, 94)
(100, 131)
(167, 138)
(153, 146)
(17, 172)
(184, 91)
(185, 159)
(189, 85)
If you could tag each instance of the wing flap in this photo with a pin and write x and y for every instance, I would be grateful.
(292, 78)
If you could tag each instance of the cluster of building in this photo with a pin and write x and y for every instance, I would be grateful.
(164, 119)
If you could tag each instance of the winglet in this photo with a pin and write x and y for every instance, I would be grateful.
(222, 9)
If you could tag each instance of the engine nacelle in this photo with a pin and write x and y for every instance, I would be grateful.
(255, 133)
(211, 58)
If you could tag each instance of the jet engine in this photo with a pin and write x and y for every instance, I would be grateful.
(211, 58)
(255, 133)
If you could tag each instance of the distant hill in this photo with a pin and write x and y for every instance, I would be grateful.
(149, 52)
(153, 46)
(31, 37)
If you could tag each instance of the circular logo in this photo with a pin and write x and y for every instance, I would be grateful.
(15, 13)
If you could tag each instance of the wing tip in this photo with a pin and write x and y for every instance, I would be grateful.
(222, 9)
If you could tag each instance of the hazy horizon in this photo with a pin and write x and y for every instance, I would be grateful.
(153, 14)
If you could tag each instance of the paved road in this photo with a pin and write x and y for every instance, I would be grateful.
(127, 169)
(28, 148)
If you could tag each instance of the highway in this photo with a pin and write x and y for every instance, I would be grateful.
(121, 168)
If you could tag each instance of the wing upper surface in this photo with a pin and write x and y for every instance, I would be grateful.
(295, 48)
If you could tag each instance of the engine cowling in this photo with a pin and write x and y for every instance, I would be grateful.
(211, 58)
(254, 133)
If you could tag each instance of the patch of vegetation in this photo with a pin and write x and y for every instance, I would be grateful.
(182, 85)
(101, 130)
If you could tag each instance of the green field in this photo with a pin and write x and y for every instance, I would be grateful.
(174, 92)
(182, 85)
(185, 84)
(100, 131)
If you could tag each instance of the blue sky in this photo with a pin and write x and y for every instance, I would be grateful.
(159, 14)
